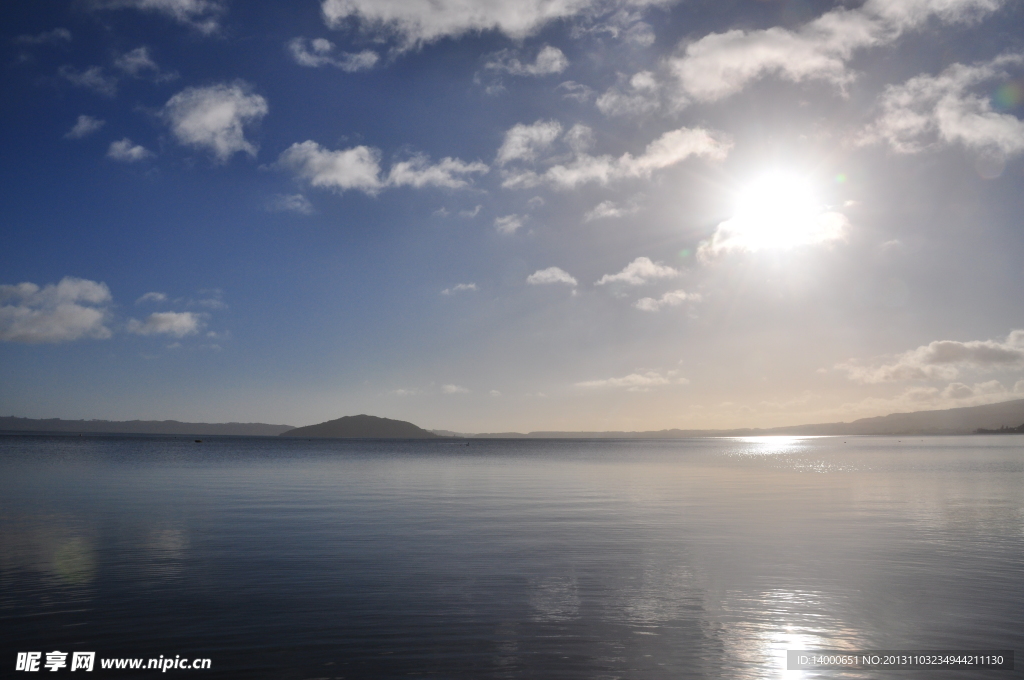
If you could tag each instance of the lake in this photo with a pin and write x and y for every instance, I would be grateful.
(596, 559)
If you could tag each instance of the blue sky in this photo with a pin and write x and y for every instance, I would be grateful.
(578, 214)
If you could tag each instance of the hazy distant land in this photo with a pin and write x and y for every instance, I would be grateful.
(964, 420)
(11, 424)
(1003, 418)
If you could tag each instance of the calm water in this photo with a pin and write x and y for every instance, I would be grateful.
(704, 558)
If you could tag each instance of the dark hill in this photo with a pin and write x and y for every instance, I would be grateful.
(362, 427)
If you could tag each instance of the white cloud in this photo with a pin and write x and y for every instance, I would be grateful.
(214, 118)
(415, 22)
(454, 389)
(84, 126)
(138, 63)
(639, 96)
(931, 110)
(125, 151)
(550, 60)
(637, 382)
(609, 209)
(72, 309)
(458, 288)
(202, 15)
(508, 224)
(624, 25)
(55, 36)
(638, 272)
(92, 78)
(448, 173)
(524, 142)
(943, 360)
(291, 203)
(320, 52)
(470, 213)
(667, 150)
(572, 90)
(721, 64)
(550, 275)
(178, 324)
(672, 298)
(359, 168)
(355, 168)
(152, 297)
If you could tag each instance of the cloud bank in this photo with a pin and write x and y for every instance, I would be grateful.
(943, 359)
(721, 64)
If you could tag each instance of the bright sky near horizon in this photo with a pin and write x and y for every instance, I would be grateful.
(490, 216)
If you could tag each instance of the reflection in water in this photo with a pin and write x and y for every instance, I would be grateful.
(74, 561)
(52, 546)
(555, 599)
(511, 559)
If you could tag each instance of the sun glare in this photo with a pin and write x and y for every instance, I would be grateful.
(778, 210)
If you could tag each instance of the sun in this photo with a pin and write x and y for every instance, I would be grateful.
(778, 210)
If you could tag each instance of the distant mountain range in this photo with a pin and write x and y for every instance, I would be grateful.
(11, 424)
(1001, 418)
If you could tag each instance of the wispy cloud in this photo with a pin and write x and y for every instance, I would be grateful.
(669, 149)
(673, 298)
(509, 224)
(321, 52)
(609, 209)
(637, 96)
(550, 60)
(291, 203)
(454, 389)
(459, 288)
(55, 36)
(84, 126)
(152, 297)
(93, 78)
(201, 15)
(637, 382)
(139, 64)
(176, 324)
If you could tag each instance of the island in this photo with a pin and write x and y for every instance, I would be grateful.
(362, 427)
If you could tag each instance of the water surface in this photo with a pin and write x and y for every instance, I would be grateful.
(701, 558)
